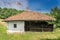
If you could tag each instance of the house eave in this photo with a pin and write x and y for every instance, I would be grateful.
(26, 20)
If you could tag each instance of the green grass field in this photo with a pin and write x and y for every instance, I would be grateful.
(55, 35)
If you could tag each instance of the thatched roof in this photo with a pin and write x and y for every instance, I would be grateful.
(29, 16)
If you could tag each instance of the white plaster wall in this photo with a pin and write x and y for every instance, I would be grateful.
(20, 26)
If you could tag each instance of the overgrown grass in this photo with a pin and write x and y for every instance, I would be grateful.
(55, 35)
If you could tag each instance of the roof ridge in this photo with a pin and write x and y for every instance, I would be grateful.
(29, 16)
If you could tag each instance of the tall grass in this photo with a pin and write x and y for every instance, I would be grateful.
(55, 35)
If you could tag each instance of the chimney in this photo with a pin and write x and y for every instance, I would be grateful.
(26, 9)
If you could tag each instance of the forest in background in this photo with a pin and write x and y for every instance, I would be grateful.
(7, 12)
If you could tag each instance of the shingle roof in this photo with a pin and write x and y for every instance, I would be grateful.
(29, 16)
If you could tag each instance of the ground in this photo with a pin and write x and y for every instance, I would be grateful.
(55, 35)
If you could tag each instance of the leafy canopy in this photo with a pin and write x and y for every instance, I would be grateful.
(7, 12)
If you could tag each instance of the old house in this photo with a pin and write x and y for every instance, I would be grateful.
(29, 21)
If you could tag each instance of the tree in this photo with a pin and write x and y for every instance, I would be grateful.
(7, 12)
(55, 12)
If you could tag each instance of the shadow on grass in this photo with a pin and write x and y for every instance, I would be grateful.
(51, 39)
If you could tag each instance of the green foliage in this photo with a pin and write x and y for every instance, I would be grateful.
(55, 12)
(7, 12)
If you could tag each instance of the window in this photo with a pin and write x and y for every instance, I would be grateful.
(15, 25)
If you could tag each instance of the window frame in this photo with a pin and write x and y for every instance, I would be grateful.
(15, 25)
